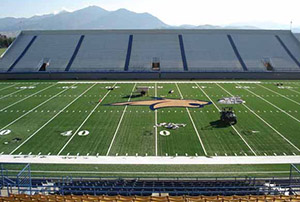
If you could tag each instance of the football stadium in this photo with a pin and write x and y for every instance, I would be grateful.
(150, 115)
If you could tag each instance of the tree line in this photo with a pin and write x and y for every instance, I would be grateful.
(5, 41)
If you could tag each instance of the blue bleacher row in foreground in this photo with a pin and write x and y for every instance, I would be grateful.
(139, 50)
(148, 187)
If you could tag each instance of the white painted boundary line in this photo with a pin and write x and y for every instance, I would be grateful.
(11, 94)
(119, 124)
(7, 87)
(279, 94)
(51, 120)
(231, 125)
(293, 90)
(154, 172)
(155, 128)
(27, 97)
(34, 109)
(272, 105)
(164, 160)
(85, 120)
(149, 81)
(282, 136)
(195, 128)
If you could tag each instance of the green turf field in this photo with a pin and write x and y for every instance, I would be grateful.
(2, 50)
(50, 118)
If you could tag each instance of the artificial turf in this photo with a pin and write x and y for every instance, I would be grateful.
(46, 111)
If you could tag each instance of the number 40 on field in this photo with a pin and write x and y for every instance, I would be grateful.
(80, 133)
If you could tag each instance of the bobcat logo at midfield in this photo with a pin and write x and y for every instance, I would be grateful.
(164, 103)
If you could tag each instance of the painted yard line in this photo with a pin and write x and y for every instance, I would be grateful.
(279, 94)
(51, 120)
(27, 97)
(119, 124)
(195, 128)
(7, 87)
(11, 94)
(85, 120)
(293, 90)
(264, 121)
(155, 128)
(33, 109)
(272, 105)
(155, 172)
(230, 125)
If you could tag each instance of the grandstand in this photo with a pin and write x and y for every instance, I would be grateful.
(179, 53)
(107, 128)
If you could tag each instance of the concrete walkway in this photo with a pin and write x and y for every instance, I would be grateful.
(228, 160)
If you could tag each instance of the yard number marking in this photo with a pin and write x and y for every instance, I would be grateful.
(5, 132)
(70, 132)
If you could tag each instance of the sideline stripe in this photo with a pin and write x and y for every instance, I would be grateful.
(231, 125)
(279, 94)
(272, 105)
(51, 120)
(85, 120)
(33, 109)
(7, 87)
(155, 128)
(27, 97)
(264, 121)
(195, 128)
(158, 172)
(160, 81)
(119, 124)
(11, 94)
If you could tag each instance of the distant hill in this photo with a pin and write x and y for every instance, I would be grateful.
(88, 18)
(94, 17)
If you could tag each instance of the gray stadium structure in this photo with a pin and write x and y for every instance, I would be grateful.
(152, 54)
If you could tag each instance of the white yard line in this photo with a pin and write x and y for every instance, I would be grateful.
(293, 90)
(33, 109)
(51, 119)
(272, 105)
(231, 125)
(119, 124)
(264, 121)
(27, 97)
(155, 160)
(85, 120)
(159, 81)
(155, 128)
(195, 128)
(7, 87)
(11, 94)
(279, 94)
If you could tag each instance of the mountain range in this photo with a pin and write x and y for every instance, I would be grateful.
(94, 17)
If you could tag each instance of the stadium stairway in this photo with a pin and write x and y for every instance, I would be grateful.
(288, 51)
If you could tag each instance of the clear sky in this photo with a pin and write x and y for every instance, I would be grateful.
(174, 12)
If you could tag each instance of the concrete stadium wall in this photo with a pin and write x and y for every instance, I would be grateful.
(149, 76)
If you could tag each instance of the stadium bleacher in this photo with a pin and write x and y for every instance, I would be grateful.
(163, 198)
(136, 50)
(149, 187)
